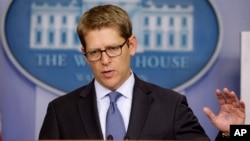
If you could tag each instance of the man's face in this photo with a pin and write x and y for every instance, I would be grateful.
(110, 72)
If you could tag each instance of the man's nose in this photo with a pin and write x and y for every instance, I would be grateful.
(105, 58)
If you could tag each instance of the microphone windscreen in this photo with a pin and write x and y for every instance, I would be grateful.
(110, 137)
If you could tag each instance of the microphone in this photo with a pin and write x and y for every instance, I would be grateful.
(110, 137)
(126, 138)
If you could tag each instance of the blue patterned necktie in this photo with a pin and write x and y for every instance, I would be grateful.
(115, 127)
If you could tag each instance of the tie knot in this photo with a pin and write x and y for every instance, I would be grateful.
(113, 96)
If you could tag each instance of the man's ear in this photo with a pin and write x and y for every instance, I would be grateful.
(132, 45)
(83, 51)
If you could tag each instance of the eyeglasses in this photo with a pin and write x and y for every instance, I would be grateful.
(112, 51)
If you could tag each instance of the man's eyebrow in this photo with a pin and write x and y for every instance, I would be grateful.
(111, 45)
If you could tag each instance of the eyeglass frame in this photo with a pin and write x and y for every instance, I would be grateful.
(106, 51)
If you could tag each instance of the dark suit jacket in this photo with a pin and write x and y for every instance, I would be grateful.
(156, 114)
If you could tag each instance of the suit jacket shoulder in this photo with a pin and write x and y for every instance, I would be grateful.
(73, 116)
(159, 113)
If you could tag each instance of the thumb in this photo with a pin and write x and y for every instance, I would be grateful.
(209, 113)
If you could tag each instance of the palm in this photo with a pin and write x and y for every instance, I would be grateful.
(232, 111)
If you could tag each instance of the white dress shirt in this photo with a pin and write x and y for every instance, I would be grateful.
(124, 102)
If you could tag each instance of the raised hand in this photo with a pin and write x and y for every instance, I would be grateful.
(232, 111)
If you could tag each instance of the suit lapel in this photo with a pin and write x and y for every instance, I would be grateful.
(141, 103)
(140, 106)
(88, 110)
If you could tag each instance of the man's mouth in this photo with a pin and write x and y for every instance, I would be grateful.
(108, 74)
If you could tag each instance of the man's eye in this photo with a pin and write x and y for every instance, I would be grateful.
(112, 48)
(94, 52)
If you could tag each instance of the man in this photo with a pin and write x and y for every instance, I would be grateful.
(147, 111)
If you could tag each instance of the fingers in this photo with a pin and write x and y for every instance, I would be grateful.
(220, 97)
(228, 97)
(231, 98)
(242, 106)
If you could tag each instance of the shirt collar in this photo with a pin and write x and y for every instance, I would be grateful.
(126, 89)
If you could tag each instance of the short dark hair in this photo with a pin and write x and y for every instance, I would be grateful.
(104, 16)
